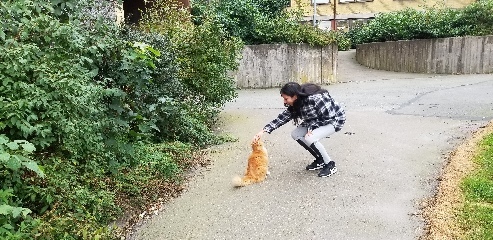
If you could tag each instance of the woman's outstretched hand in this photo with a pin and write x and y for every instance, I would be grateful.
(258, 136)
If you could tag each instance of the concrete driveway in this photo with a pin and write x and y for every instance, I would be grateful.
(399, 129)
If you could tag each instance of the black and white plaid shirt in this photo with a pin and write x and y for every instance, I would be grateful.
(316, 110)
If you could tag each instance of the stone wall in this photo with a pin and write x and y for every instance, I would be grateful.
(271, 65)
(460, 55)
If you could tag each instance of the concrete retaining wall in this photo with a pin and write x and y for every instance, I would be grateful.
(272, 65)
(460, 55)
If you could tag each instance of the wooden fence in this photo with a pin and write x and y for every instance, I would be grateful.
(458, 55)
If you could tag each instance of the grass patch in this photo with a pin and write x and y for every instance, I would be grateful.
(477, 212)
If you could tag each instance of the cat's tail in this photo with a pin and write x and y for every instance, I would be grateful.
(241, 182)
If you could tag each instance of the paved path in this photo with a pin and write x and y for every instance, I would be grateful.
(399, 129)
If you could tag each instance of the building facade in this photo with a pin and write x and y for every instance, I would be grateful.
(349, 13)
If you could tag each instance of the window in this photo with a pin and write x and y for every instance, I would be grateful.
(320, 2)
(343, 25)
(358, 22)
(353, 1)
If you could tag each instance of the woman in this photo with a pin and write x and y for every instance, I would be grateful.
(320, 117)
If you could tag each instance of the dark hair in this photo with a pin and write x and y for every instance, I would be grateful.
(301, 91)
(292, 88)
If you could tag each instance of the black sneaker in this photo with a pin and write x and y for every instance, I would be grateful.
(316, 164)
(327, 170)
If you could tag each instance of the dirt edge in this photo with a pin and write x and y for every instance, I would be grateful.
(440, 212)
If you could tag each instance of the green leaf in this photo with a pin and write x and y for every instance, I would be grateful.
(44, 209)
(28, 147)
(3, 139)
(33, 166)
(13, 145)
(16, 212)
(5, 209)
(58, 11)
(8, 226)
(154, 51)
(2, 35)
(26, 211)
(13, 163)
(94, 72)
(4, 157)
(5, 194)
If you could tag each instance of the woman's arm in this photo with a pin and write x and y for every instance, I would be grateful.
(281, 119)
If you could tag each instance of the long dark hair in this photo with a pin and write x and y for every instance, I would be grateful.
(301, 91)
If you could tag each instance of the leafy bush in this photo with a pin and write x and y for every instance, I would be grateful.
(477, 18)
(15, 222)
(87, 98)
(205, 54)
(405, 25)
(439, 22)
(50, 96)
(263, 22)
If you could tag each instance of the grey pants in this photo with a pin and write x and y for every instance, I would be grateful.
(317, 134)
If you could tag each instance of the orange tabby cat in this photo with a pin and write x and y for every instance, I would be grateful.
(257, 168)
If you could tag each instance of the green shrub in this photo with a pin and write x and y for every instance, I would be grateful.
(80, 205)
(248, 20)
(264, 22)
(205, 54)
(15, 162)
(59, 91)
(477, 18)
(85, 99)
(434, 22)
(50, 97)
